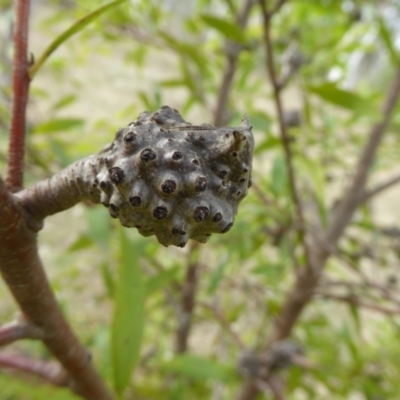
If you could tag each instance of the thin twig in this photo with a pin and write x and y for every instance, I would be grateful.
(17, 330)
(230, 68)
(50, 372)
(224, 324)
(20, 88)
(353, 300)
(188, 301)
(281, 121)
(367, 195)
(276, 8)
(308, 279)
(344, 211)
(22, 270)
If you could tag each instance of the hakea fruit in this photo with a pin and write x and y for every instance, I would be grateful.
(161, 175)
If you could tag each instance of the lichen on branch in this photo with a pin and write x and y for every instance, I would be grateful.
(161, 175)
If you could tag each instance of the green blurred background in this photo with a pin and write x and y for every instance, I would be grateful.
(144, 54)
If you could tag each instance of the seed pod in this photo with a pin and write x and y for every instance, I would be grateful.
(174, 180)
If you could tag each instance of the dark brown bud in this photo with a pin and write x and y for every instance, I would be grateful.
(117, 175)
(130, 137)
(177, 231)
(114, 207)
(227, 227)
(217, 217)
(136, 201)
(177, 156)
(147, 155)
(201, 183)
(160, 212)
(169, 186)
(201, 213)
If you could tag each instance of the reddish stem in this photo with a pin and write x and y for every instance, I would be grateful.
(20, 90)
(51, 372)
(16, 330)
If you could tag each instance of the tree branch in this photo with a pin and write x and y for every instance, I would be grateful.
(22, 270)
(50, 372)
(355, 301)
(368, 194)
(161, 175)
(307, 279)
(17, 330)
(187, 301)
(20, 90)
(281, 121)
(232, 58)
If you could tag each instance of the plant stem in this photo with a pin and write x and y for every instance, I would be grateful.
(18, 330)
(230, 69)
(267, 16)
(187, 301)
(20, 89)
(50, 372)
(308, 279)
(23, 272)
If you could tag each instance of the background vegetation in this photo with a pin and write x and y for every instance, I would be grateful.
(206, 306)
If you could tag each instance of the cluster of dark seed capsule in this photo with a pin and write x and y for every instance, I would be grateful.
(174, 180)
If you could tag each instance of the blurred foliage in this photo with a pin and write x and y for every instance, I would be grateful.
(143, 54)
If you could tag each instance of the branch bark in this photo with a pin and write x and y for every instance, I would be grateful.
(267, 16)
(308, 278)
(20, 90)
(17, 330)
(230, 68)
(50, 372)
(187, 301)
(22, 270)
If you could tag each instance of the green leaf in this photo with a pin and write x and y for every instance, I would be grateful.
(65, 101)
(229, 29)
(339, 97)
(162, 279)
(316, 173)
(99, 228)
(129, 313)
(82, 242)
(279, 176)
(270, 143)
(200, 368)
(59, 124)
(108, 279)
(388, 42)
(217, 274)
(75, 28)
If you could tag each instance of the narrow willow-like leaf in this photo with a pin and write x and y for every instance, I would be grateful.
(128, 320)
(387, 40)
(227, 28)
(75, 28)
(339, 97)
(59, 125)
(200, 368)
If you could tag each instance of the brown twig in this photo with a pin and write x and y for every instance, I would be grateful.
(50, 372)
(267, 15)
(344, 211)
(20, 88)
(187, 301)
(23, 272)
(353, 300)
(224, 324)
(368, 194)
(307, 279)
(230, 68)
(17, 330)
